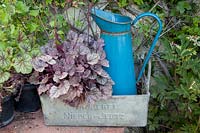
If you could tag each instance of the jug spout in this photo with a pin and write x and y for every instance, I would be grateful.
(111, 22)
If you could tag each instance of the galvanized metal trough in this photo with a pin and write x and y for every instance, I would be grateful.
(120, 111)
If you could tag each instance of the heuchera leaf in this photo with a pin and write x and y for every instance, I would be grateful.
(79, 90)
(68, 62)
(4, 62)
(101, 80)
(71, 95)
(100, 71)
(93, 96)
(44, 88)
(104, 63)
(73, 70)
(54, 93)
(62, 89)
(9, 51)
(86, 73)
(102, 54)
(93, 76)
(38, 64)
(93, 58)
(83, 50)
(50, 49)
(100, 42)
(59, 75)
(22, 64)
(33, 79)
(106, 91)
(80, 69)
(74, 81)
(24, 47)
(4, 76)
(48, 59)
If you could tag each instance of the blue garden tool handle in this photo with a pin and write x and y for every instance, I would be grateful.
(146, 14)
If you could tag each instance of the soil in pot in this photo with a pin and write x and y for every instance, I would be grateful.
(28, 99)
(7, 113)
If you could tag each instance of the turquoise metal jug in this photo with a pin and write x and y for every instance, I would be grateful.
(116, 32)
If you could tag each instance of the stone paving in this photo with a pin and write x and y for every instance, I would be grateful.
(34, 123)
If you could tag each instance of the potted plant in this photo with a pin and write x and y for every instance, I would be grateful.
(15, 69)
(26, 96)
(18, 45)
(72, 70)
(12, 66)
(6, 100)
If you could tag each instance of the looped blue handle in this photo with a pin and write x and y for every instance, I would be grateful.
(154, 41)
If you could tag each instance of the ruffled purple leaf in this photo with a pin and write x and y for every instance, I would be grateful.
(93, 96)
(92, 76)
(38, 64)
(74, 81)
(86, 74)
(93, 58)
(104, 63)
(106, 91)
(48, 59)
(83, 50)
(62, 89)
(59, 76)
(102, 80)
(44, 88)
(73, 70)
(80, 69)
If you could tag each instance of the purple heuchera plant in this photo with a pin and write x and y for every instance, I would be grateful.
(73, 71)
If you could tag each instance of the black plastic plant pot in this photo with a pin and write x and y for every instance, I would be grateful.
(7, 113)
(29, 100)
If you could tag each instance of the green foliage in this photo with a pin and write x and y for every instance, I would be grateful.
(182, 6)
(122, 3)
(175, 101)
(24, 27)
(12, 36)
(138, 2)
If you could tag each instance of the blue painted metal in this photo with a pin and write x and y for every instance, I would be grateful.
(116, 32)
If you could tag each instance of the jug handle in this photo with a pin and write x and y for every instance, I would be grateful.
(154, 41)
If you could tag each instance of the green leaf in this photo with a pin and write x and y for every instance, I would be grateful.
(138, 2)
(60, 32)
(4, 61)
(24, 47)
(9, 51)
(4, 17)
(12, 29)
(35, 52)
(2, 45)
(22, 64)
(48, 1)
(122, 3)
(33, 27)
(21, 7)
(52, 23)
(34, 13)
(4, 76)
(182, 6)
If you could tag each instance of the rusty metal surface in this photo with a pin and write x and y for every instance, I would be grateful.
(118, 111)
